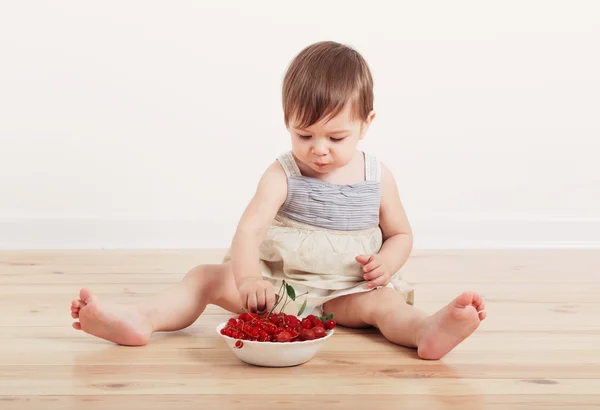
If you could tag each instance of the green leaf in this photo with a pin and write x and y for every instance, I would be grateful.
(329, 316)
(302, 307)
(322, 318)
(290, 291)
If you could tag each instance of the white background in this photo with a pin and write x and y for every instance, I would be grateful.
(147, 124)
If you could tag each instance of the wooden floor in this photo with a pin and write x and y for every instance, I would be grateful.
(538, 348)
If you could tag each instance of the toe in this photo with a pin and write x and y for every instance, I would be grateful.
(75, 315)
(76, 304)
(482, 315)
(86, 296)
(465, 299)
(77, 325)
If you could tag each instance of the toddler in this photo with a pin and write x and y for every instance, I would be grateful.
(326, 218)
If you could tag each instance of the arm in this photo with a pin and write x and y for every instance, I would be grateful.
(252, 228)
(397, 235)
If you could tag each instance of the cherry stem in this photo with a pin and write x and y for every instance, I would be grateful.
(278, 301)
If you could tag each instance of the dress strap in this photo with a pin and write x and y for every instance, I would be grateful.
(372, 168)
(289, 165)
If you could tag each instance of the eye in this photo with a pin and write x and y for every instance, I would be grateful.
(337, 139)
(304, 137)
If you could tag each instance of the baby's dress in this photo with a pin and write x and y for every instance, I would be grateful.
(317, 234)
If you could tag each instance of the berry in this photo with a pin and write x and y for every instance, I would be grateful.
(330, 324)
(284, 337)
(319, 332)
(307, 334)
(319, 324)
(307, 324)
(239, 344)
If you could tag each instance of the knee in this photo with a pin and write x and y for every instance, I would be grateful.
(384, 302)
(206, 279)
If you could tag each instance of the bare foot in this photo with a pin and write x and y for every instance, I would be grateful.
(452, 324)
(128, 326)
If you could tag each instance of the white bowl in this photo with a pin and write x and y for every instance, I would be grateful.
(273, 354)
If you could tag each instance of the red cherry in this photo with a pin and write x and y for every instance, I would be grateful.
(307, 334)
(307, 324)
(319, 332)
(330, 324)
(319, 324)
(284, 337)
(239, 344)
(223, 331)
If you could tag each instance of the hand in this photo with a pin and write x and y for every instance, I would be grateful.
(375, 270)
(257, 295)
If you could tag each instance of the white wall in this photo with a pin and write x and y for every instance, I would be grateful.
(147, 124)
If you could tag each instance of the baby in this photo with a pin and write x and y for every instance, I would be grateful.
(325, 217)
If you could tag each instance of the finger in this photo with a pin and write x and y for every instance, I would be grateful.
(380, 281)
(252, 302)
(371, 266)
(373, 274)
(362, 259)
(244, 301)
(261, 300)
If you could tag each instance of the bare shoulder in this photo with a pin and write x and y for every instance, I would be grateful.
(270, 195)
(273, 183)
(393, 219)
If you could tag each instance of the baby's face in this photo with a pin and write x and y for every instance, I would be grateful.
(325, 146)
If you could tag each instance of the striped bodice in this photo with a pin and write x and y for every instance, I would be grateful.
(331, 206)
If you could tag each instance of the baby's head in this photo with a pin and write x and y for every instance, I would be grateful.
(327, 104)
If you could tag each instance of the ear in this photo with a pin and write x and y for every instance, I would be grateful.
(370, 117)
(366, 124)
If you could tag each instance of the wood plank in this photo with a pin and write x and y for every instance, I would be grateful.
(299, 401)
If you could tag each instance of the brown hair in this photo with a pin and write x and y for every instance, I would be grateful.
(321, 79)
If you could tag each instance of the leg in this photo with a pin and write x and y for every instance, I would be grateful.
(434, 336)
(174, 308)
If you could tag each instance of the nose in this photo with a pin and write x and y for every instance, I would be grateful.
(320, 148)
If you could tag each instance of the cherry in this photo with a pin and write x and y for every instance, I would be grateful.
(284, 337)
(319, 324)
(319, 332)
(307, 324)
(330, 324)
(307, 334)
